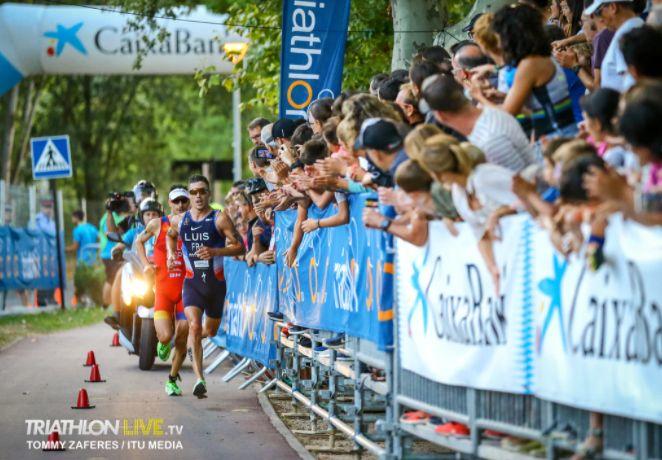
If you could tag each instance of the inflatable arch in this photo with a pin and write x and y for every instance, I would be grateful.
(79, 40)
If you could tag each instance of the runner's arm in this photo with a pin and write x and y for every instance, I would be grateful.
(233, 243)
(171, 240)
(151, 230)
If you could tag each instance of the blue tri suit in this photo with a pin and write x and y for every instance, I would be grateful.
(204, 283)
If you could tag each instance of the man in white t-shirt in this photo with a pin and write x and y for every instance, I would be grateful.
(619, 16)
(497, 133)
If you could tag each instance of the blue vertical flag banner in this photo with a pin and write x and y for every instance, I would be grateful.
(312, 52)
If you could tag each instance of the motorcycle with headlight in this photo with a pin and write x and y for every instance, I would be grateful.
(137, 333)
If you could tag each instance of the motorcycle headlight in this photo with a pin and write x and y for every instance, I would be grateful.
(138, 288)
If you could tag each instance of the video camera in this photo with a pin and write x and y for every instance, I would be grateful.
(119, 201)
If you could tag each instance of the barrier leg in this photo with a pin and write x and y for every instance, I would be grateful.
(217, 362)
(358, 395)
(333, 381)
(253, 378)
(209, 349)
(270, 384)
(241, 365)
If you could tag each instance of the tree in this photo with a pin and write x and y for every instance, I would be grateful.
(414, 24)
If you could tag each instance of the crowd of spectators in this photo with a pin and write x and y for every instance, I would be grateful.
(548, 107)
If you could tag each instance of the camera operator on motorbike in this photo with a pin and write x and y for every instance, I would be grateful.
(130, 226)
(169, 317)
(207, 236)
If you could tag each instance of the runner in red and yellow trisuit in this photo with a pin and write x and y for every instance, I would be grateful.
(168, 306)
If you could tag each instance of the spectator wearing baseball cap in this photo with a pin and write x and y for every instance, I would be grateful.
(620, 17)
(383, 144)
(282, 130)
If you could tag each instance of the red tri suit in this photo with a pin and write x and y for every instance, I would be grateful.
(168, 283)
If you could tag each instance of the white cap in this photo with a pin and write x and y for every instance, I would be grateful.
(266, 135)
(177, 193)
(595, 6)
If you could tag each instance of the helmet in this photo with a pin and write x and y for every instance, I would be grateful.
(150, 204)
(144, 189)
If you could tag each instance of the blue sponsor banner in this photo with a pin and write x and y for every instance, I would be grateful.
(312, 52)
(251, 293)
(28, 259)
(339, 279)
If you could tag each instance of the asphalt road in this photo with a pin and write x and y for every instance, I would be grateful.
(40, 378)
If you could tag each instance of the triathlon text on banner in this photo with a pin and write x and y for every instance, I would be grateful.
(558, 331)
(337, 281)
(251, 293)
(312, 52)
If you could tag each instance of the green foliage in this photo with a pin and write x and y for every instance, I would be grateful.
(88, 282)
(123, 128)
(458, 9)
(16, 326)
(368, 50)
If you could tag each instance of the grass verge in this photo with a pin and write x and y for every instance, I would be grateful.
(15, 326)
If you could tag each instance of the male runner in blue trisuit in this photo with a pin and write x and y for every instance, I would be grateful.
(207, 236)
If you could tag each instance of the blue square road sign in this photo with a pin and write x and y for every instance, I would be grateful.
(51, 157)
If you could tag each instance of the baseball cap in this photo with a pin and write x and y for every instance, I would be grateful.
(255, 185)
(283, 128)
(266, 135)
(178, 193)
(597, 4)
(378, 134)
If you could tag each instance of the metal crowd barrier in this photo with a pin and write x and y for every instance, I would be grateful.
(341, 393)
(337, 394)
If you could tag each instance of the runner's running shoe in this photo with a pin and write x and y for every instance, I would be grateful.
(200, 388)
(171, 387)
(163, 351)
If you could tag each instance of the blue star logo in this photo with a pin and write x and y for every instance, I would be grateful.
(551, 287)
(65, 36)
(421, 296)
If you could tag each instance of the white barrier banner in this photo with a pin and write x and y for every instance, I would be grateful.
(599, 335)
(452, 327)
(557, 330)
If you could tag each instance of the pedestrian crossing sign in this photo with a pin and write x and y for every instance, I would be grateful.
(51, 157)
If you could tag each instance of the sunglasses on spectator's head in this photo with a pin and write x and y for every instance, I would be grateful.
(264, 153)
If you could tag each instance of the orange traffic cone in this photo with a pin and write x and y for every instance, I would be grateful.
(53, 442)
(95, 375)
(83, 401)
(90, 359)
(116, 340)
(57, 295)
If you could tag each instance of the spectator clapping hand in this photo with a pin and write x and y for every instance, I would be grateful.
(332, 166)
(372, 218)
(310, 225)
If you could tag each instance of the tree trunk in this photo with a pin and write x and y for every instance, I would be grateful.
(448, 36)
(34, 93)
(414, 26)
(10, 131)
